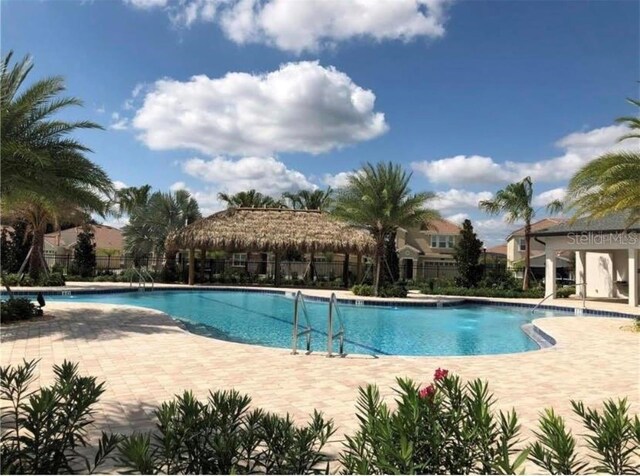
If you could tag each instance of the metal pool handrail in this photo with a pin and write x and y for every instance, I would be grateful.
(335, 309)
(148, 275)
(298, 303)
(584, 297)
(141, 281)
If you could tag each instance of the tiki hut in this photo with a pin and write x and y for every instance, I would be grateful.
(271, 229)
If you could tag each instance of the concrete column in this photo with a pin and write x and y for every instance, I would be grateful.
(550, 271)
(581, 272)
(633, 277)
(192, 266)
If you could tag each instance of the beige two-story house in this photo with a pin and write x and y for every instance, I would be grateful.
(516, 251)
(427, 252)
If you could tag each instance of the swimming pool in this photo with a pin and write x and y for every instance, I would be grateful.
(267, 319)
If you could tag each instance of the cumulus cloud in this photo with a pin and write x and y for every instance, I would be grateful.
(579, 149)
(301, 107)
(545, 198)
(494, 231)
(457, 218)
(317, 24)
(265, 174)
(456, 200)
(338, 180)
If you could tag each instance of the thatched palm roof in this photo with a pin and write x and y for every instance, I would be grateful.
(273, 229)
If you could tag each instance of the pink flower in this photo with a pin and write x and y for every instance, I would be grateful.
(440, 374)
(427, 392)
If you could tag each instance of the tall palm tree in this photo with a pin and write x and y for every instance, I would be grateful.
(249, 199)
(516, 201)
(44, 172)
(128, 200)
(610, 183)
(310, 199)
(150, 223)
(379, 199)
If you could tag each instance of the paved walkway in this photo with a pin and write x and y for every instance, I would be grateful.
(146, 357)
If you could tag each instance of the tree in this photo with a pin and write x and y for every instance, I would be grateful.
(379, 199)
(84, 253)
(151, 222)
(249, 199)
(45, 175)
(310, 199)
(516, 201)
(610, 183)
(467, 255)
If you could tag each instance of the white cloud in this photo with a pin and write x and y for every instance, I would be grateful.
(299, 25)
(338, 180)
(455, 200)
(579, 149)
(118, 123)
(265, 174)
(118, 184)
(178, 186)
(460, 170)
(301, 107)
(493, 231)
(457, 218)
(544, 198)
(147, 4)
(321, 23)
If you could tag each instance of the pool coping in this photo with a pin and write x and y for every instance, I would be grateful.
(435, 302)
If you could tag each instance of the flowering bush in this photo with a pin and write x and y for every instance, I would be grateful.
(445, 427)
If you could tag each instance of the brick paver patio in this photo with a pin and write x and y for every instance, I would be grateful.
(146, 357)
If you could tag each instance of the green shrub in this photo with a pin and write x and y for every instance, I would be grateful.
(54, 279)
(222, 436)
(362, 290)
(393, 290)
(445, 428)
(565, 292)
(17, 309)
(500, 278)
(14, 280)
(43, 430)
(534, 293)
(613, 441)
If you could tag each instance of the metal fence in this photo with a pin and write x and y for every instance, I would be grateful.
(262, 271)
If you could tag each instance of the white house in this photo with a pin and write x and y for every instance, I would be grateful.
(606, 257)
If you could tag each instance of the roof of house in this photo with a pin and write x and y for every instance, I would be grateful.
(105, 237)
(538, 226)
(614, 222)
(498, 250)
(443, 226)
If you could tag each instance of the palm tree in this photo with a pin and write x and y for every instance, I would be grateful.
(249, 199)
(379, 199)
(44, 172)
(516, 201)
(129, 199)
(610, 183)
(151, 223)
(310, 199)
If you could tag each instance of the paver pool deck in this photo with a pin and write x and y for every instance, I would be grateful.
(146, 357)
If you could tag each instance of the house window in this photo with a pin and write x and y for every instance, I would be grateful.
(522, 245)
(239, 260)
(442, 241)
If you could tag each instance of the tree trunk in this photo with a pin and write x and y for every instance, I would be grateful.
(527, 256)
(37, 254)
(170, 272)
(379, 256)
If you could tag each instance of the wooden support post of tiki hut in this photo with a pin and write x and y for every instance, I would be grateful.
(359, 267)
(192, 266)
(345, 270)
(276, 266)
(203, 260)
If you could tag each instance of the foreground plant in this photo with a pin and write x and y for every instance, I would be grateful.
(447, 427)
(43, 430)
(222, 436)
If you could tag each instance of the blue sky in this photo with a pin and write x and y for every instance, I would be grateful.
(467, 95)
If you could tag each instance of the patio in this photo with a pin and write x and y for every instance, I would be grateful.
(146, 358)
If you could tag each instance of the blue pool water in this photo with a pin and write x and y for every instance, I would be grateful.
(267, 319)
